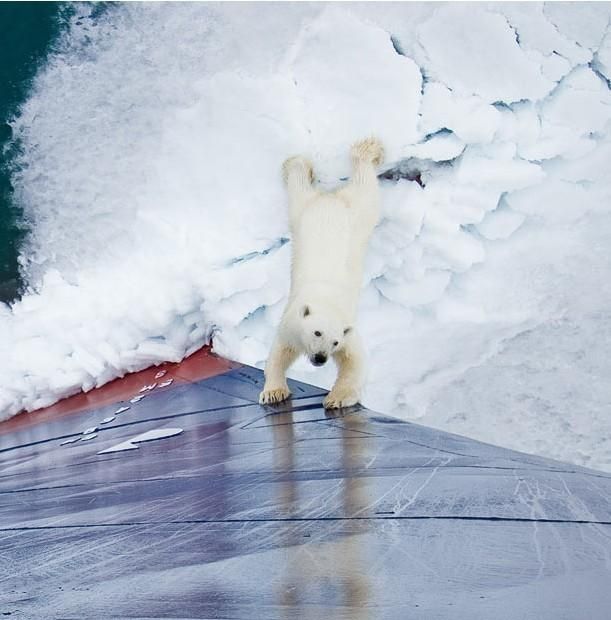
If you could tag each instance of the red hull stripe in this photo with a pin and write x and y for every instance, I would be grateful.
(201, 365)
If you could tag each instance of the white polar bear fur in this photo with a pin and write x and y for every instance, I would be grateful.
(330, 232)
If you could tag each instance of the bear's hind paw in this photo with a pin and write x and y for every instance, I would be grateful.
(370, 149)
(269, 397)
(298, 165)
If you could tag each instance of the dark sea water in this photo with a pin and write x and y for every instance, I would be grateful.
(27, 30)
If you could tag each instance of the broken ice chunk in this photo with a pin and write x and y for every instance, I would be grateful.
(121, 410)
(166, 383)
(88, 437)
(88, 431)
(108, 419)
(137, 399)
(160, 374)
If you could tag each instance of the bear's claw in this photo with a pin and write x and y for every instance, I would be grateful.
(338, 398)
(268, 397)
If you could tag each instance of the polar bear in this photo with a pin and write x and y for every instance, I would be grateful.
(330, 231)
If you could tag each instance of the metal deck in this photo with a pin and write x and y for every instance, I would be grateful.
(286, 512)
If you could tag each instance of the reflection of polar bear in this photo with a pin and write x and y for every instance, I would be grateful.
(330, 232)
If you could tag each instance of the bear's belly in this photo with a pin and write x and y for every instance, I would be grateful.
(328, 246)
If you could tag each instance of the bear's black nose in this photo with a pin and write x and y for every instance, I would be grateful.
(319, 359)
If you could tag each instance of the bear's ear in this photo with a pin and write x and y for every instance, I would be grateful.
(347, 331)
(305, 311)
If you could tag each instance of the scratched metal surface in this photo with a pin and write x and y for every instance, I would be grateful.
(290, 512)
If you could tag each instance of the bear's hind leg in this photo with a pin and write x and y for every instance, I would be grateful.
(362, 192)
(368, 151)
(366, 155)
(298, 170)
(298, 175)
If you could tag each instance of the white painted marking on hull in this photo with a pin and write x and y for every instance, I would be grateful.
(148, 388)
(131, 444)
(73, 440)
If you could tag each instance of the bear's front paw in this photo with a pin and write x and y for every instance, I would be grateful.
(339, 397)
(275, 395)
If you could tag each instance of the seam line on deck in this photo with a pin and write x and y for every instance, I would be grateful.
(381, 517)
(280, 476)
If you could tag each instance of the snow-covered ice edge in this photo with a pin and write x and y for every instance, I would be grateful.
(148, 171)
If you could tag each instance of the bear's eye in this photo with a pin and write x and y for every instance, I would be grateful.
(335, 343)
(317, 333)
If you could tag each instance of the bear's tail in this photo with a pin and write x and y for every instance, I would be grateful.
(369, 149)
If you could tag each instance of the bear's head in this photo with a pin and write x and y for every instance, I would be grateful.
(321, 334)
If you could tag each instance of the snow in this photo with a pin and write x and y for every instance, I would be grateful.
(602, 58)
(542, 40)
(500, 223)
(148, 170)
(584, 24)
(469, 117)
(475, 51)
(339, 59)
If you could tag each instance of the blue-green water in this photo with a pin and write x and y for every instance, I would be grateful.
(27, 30)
